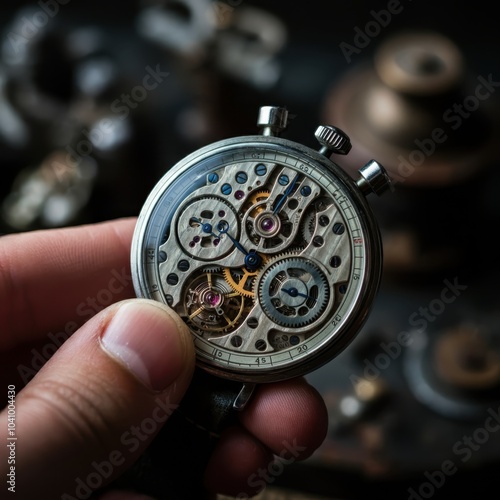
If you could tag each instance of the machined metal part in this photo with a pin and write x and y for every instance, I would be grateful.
(294, 292)
(333, 140)
(374, 178)
(272, 120)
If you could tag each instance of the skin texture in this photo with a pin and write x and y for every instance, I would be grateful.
(79, 391)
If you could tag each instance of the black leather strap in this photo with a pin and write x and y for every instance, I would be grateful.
(173, 466)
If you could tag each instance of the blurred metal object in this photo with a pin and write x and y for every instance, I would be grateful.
(423, 64)
(223, 50)
(59, 114)
(184, 27)
(13, 129)
(455, 371)
(465, 360)
(247, 47)
(367, 397)
(240, 41)
(418, 109)
(51, 195)
(56, 192)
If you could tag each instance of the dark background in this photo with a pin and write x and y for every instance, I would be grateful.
(400, 441)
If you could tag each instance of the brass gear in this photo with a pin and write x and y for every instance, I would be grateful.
(255, 199)
(241, 280)
(259, 196)
(252, 205)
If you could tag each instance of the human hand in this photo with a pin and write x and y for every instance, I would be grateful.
(67, 303)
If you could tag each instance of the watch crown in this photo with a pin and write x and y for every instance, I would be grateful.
(332, 140)
(374, 179)
(272, 120)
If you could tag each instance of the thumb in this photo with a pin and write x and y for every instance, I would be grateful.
(96, 405)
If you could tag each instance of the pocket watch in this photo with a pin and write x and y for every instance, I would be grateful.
(269, 252)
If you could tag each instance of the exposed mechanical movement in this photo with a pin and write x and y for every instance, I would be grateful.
(265, 248)
(257, 239)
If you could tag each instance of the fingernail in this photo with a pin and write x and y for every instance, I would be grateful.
(147, 340)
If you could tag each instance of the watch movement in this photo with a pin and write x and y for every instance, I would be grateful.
(266, 248)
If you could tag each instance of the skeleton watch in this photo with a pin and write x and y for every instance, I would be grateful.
(269, 252)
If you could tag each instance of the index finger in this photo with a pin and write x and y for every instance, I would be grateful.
(55, 280)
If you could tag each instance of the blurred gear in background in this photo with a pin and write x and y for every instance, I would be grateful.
(97, 102)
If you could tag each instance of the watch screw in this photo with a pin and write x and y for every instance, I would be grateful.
(332, 140)
(374, 179)
(272, 120)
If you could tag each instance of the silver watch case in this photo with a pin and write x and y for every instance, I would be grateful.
(306, 301)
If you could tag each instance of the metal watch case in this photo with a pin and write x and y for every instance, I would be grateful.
(266, 248)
